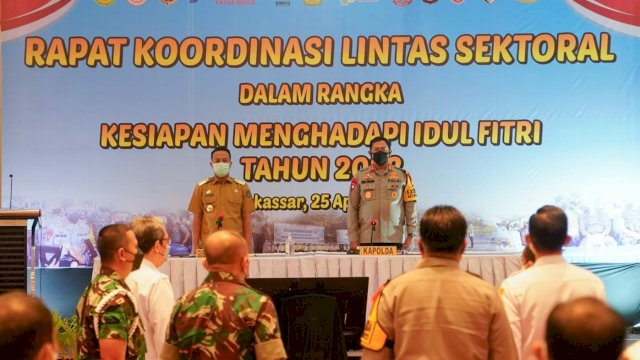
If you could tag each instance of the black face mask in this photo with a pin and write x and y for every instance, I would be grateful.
(380, 157)
(137, 260)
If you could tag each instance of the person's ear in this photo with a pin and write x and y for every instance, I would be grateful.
(540, 350)
(527, 239)
(567, 240)
(158, 246)
(120, 254)
(245, 265)
(47, 352)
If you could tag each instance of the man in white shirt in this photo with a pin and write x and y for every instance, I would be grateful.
(530, 296)
(151, 287)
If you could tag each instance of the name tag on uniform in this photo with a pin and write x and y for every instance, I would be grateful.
(378, 250)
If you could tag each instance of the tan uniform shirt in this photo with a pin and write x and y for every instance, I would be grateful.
(387, 196)
(228, 197)
(438, 311)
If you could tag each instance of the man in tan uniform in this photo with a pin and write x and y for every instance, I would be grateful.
(438, 311)
(221, 202)
(382, 201)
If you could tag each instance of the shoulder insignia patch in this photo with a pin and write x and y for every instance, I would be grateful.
(409, 190)
(373, 337)
(204, 181)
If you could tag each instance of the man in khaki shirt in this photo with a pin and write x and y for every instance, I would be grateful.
(438, 311)
(382, 201)
(221, 202)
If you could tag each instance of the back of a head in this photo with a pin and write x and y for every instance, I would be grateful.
(25, 325)
(148, 230)
(443, 229)
(225, 248)
(584, 328)
(548, 228)
(110, 239)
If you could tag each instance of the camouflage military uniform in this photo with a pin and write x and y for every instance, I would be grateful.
(388, 196)
(108, 310)
(224, 319)
(228, 197)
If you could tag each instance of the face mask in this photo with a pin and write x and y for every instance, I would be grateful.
(380, 157)
(137, 259)
(221, 169)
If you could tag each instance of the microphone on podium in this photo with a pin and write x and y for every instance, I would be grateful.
(219, 221)
(373, 223)
(10, 190)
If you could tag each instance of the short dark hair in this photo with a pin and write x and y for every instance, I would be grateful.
(25, 325)
(443, 229)
(379, 138)
(220, 148)
(148, 230)
(584, 328)
(110, 239)
(548, 228)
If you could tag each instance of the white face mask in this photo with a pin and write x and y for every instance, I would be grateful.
(221, 169)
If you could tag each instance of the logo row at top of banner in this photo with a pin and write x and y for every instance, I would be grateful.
(288, 2)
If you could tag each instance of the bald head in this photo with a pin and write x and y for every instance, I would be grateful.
(584, 328)
(25, 325)
(225, 249)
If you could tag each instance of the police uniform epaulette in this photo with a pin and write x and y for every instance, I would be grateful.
(241, 182)
(204, 181)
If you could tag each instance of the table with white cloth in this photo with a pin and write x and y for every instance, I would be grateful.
(188, 273)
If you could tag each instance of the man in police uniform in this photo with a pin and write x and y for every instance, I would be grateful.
(221, 202)
(224, 318)
(107, 312)
(437, 310)
(382, 201)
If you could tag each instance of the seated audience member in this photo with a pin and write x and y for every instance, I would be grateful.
(530, 295)
(224, 318)
(26, 328)
(584, 329)
(437, 310)
(151, 287)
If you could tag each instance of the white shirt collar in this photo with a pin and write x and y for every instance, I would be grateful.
(549, 259)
